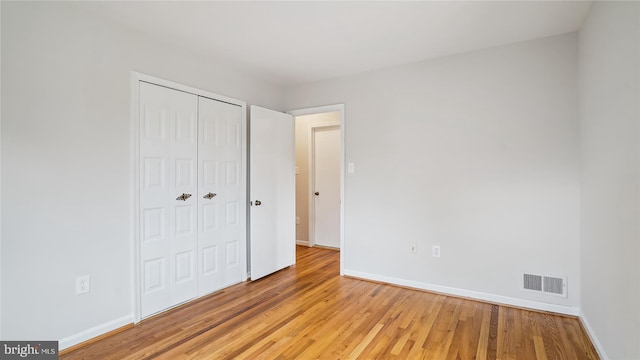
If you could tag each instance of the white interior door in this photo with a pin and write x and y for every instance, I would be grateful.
(272, 191)
(220, 195)
(326, 189)
(168, 160)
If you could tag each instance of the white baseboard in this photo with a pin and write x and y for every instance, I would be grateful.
(560, 309)
(302, 242)
(592, 336)
(94, 332)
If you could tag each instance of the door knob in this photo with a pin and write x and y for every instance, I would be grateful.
(258, 202)
(316, 193)
(183, 197)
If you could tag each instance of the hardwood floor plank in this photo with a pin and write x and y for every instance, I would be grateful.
(527, 347)
(492, 346)
(552, 342)
(581, 344)
(309, 312)
(439, 340)
(365, 342)
(400, 344)
(568, 348)
(424, 328)
(483, 340)
(379, 349)
(506, 344)
(466, 333)
(538, 343)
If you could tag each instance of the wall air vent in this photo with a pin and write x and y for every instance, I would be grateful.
(553, 285)
(533, 282)
(545, 284)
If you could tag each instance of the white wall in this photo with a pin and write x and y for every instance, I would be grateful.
(609, 62)
(303, 129)
(66, 162)
(477, 153)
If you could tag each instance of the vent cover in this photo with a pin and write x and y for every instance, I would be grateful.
(545, 284)
(553, 285)
(533, 282)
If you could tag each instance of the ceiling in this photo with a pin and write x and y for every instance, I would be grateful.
(297, 42)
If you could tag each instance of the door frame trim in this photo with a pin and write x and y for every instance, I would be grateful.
(134, 190)
(319, 110)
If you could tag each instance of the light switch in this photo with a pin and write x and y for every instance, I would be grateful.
(351, 168)
(297, 170)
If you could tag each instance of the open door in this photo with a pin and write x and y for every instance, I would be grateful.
(271, 191)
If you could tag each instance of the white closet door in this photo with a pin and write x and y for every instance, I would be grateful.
(220, 195)
(272, 187)
(168, 161)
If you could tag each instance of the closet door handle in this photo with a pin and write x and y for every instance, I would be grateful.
(183, 197)
(209, 196)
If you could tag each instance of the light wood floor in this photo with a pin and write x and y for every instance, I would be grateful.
(308, 311)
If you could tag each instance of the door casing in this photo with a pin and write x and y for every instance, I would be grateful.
(134, 217)
(318, 110)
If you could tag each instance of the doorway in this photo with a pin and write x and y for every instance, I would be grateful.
(319, 176)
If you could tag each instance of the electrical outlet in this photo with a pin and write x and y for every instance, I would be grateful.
(435, 251)
(83, 284)
(413, 247)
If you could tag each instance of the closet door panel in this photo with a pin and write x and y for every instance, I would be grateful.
(184, 160)
(220, 195)
(168, 165)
